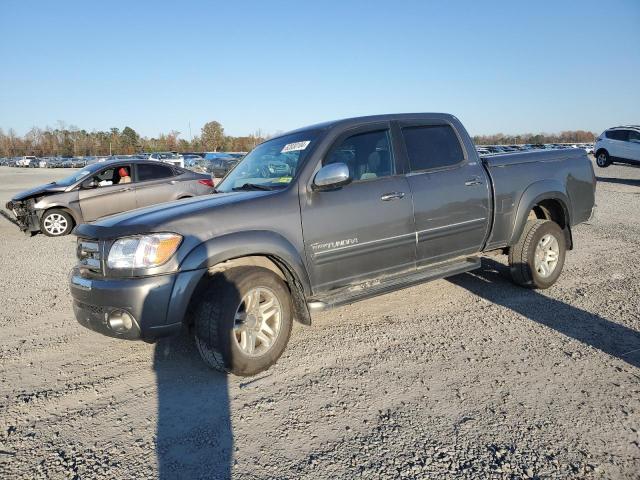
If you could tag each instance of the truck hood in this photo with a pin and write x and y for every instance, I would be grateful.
(181, 216)
(39, 190)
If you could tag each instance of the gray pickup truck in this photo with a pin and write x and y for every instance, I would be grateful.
(320, 217)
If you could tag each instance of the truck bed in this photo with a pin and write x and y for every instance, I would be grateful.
(517, 179)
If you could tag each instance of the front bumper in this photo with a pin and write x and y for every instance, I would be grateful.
(157, 304)
(27, 218)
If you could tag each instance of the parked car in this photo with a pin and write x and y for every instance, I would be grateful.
(220, 166)
(618, 144)
(78, 162)
(103, 189)
(168, 157)
(191, 159)
(26, 161)
(351, 218)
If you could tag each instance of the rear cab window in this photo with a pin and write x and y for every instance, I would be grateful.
(432, 147)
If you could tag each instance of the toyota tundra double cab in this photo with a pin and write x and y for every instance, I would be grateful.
(324, 216)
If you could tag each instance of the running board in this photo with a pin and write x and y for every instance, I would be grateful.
(345, 296)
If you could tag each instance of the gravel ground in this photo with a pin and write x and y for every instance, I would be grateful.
(469, 377)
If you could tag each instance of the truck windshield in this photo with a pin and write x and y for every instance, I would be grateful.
(271, 165)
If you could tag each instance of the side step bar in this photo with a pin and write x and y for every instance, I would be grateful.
(345, 296)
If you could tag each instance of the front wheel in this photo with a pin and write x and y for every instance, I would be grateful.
(56, 223)
(602, 159)
(537, 259)
(243, 320)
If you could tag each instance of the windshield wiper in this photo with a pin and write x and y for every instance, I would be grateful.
(253, 186)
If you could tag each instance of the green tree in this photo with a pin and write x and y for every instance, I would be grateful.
(129, 140)
(212, 137)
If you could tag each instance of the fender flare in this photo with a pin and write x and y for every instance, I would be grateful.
(534, 194)
(254, 243)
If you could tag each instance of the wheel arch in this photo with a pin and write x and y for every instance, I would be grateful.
(254, 248)
(65, 209)
(545, 200)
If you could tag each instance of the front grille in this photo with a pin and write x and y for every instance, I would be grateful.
(89, 253)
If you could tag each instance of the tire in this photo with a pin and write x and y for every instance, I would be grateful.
(56, 223)
(219, 325)
(524, 255)
(602, 159)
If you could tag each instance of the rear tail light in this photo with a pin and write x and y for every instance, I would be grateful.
(208, 183)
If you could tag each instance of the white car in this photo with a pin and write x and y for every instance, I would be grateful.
(168, 157)
(26, 161)
(618, 144)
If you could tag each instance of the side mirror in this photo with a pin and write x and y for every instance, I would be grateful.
(89, 183)
(332, 176)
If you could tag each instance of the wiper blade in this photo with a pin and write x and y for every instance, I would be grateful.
(253, 186)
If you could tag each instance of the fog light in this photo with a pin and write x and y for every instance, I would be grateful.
(120, 321)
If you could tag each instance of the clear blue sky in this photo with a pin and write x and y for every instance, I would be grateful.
(500, 66)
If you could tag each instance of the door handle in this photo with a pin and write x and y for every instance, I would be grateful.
(392, 196)
(126, 189)
(473, 181)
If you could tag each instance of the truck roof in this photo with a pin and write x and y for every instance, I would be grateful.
(356, 121)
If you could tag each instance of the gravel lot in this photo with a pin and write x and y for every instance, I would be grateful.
(469, 377)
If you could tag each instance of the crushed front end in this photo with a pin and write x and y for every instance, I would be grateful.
(27, 218)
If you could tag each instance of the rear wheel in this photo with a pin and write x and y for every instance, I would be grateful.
(537, 259)
(56, 223)
(243, 320)
(602, 159)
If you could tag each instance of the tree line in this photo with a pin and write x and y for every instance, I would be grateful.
(70, 141)
(569, 136)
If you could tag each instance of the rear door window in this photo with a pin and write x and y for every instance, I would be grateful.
(634, 136)
(432, 146)
(148, 171)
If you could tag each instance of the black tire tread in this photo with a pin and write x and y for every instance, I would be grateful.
(519, 266)
(212, 305)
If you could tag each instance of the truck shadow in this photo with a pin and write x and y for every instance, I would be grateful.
(492, 283)
(194, 434)
(633, 182)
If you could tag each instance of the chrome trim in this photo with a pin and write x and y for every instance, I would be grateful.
(392, 196)
(450, 225)
(81, 283)
(316, 254)
(91, 263)
(334, 174)
(90, 256)
(415, 234)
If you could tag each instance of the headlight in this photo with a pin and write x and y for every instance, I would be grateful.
(143, 252)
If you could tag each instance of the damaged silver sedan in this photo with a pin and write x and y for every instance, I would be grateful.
(103, 189)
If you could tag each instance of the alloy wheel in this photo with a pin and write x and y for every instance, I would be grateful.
(257, 321)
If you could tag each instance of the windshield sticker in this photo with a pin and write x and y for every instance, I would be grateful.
(284, 180)
(292, 147)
